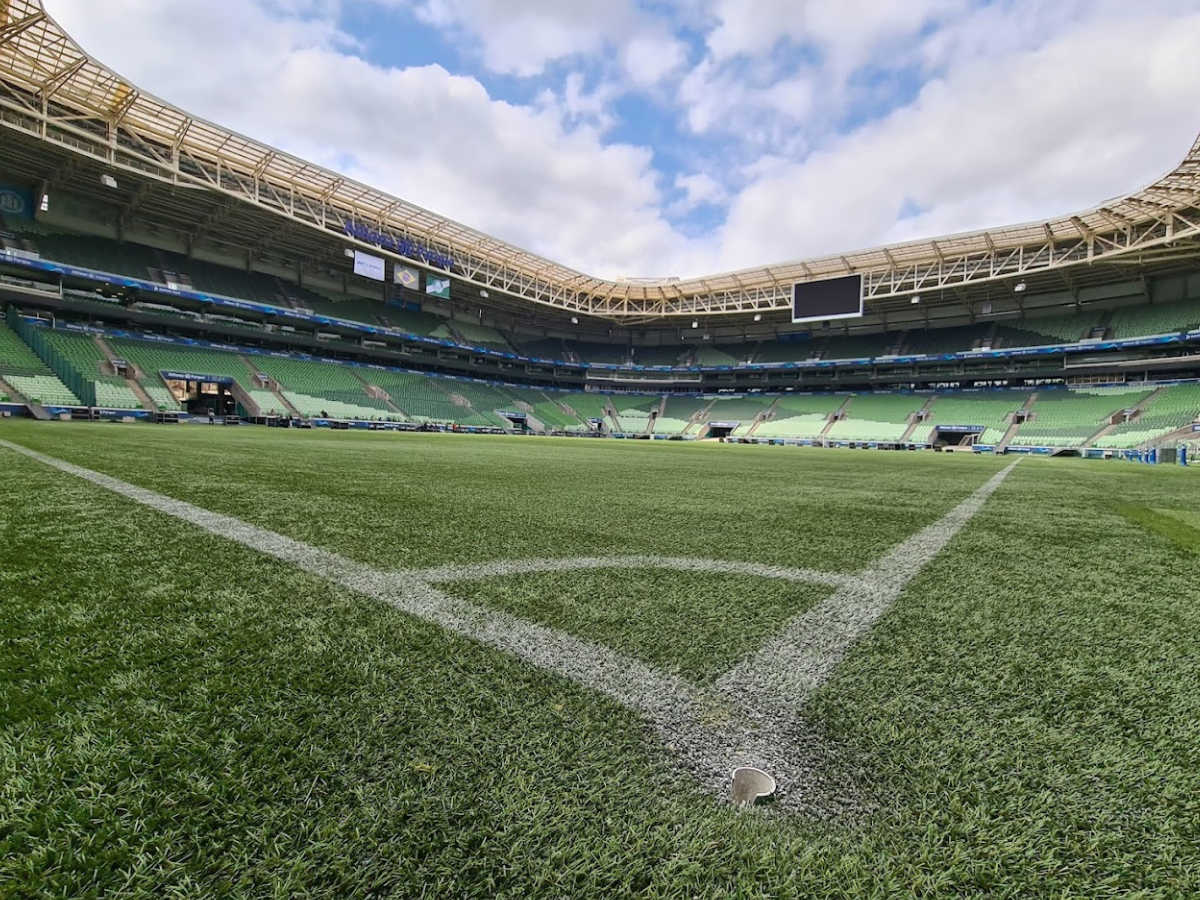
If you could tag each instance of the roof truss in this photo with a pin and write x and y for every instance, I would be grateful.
(52, 90)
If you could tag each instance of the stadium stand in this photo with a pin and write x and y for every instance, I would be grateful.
(543, 408)
(1068, 418)
(661, 356)
(340, 306)
(28, 375)
(485, 400)
(634, 412)
(585, 406)
(992, 410)
(99, 254)
(216, 279)
(1166, 318)
(877, 417)
(323, 389)
(858, 346)
(678, 414)
(603, 354)
(1040, 332)
(800, 417)
(547, 348)
(81, 364)
(411, 321)
(1174, 408)
(476, 335)
(421, 399)
(153, 358)
(723, 355)
(742, 410)
(785, 351)
(942, 340)
(163, 399)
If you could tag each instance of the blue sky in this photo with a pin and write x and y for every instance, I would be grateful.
(684, 137)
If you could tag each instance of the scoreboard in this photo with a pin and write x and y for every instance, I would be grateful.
(831, 298)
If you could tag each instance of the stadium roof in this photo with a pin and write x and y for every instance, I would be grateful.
(53, 92)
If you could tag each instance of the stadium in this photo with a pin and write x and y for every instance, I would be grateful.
(346, 550)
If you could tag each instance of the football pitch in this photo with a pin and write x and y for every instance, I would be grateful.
(260, 663)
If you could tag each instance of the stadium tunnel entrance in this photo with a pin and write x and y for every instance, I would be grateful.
(957, 435)
(201, 394)
(719, 430)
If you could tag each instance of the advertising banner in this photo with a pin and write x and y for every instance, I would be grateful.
(16, 203)
(368, 266)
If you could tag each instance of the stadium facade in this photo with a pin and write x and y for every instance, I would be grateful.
(208, 236)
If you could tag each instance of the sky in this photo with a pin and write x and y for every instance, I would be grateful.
(654, 138)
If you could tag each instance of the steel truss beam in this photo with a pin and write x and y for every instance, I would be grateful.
(94, 114)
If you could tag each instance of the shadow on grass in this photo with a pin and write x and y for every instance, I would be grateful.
(1173, 529)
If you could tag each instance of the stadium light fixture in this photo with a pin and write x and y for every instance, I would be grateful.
(483, 294)
(574, 320)
(758, 317)
(916, 299)
(695, 323)
(108, 181)
(1021, 287)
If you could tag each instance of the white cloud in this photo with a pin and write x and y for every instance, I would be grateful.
(651, 57)
(1031, 108)
(439, 140)
(700, 189)
(847, 31)
(999, 139)
(524, 39)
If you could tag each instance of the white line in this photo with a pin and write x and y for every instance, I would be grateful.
(711, 731)
(479, 571)
(713, 734)
(801, 658)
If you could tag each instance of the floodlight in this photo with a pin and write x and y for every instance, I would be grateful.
(574, 320)
(483, 294)
(758, 317)
(1021, 286)
(108, 181)
(695, 323)
(916, 299)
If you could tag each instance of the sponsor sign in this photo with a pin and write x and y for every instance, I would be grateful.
(192, 376)
(368, 266)
(16, 203)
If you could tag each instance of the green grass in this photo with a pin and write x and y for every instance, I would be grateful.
(1179, 525)
(695, 624)
(182, 717)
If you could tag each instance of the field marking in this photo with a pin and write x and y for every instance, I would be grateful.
(710, 734)
(798, 660)
(710, 730)
(500, 568)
